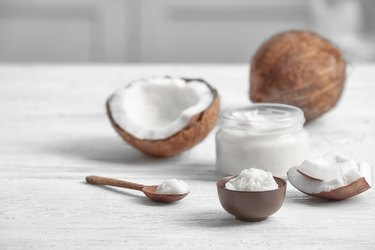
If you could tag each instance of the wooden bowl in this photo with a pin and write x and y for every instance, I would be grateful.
(251, 206)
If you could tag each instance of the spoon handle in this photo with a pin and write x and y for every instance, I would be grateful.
(113, 182)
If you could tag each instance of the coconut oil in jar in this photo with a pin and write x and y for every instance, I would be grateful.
(265, 136)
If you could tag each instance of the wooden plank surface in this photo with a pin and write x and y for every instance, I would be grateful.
(54, 132)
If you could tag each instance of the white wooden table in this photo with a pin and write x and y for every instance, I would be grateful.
(54, 132)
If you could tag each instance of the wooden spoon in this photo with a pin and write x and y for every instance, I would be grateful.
(149, 191)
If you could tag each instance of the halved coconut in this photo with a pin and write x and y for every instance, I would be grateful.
(164, 116)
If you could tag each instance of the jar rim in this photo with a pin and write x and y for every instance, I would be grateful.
(262, 117)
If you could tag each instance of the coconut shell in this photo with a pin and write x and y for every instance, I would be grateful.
(198, 128)
(341, 193)
(345, 192)
(298, 68)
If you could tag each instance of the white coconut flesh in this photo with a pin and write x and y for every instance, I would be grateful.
(330, 166)
(158, 107)
(334, 171)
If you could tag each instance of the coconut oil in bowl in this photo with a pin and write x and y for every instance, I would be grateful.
(265, 136)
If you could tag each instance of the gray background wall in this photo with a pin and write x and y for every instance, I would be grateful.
(220, 31)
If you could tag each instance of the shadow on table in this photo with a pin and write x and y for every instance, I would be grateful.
(116, 152)
(305, 200)
(147, 202)
(216, 219)
(105, 149)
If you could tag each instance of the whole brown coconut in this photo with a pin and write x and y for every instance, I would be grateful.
(298, 68)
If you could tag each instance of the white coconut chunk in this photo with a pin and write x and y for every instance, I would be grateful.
(311, 186)
(158, 107)
(331, 166)
(330, 172)
(366, 171)
(314, 170)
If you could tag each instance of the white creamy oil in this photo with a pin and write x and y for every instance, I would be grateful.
(172, 186)
(264, 136)
(252, 179)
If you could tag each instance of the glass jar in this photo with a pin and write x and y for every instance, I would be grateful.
(265, 136)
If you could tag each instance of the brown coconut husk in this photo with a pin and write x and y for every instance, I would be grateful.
(345, 192)
(299, 68)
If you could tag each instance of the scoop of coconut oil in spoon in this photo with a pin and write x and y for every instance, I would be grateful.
(172, 186)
